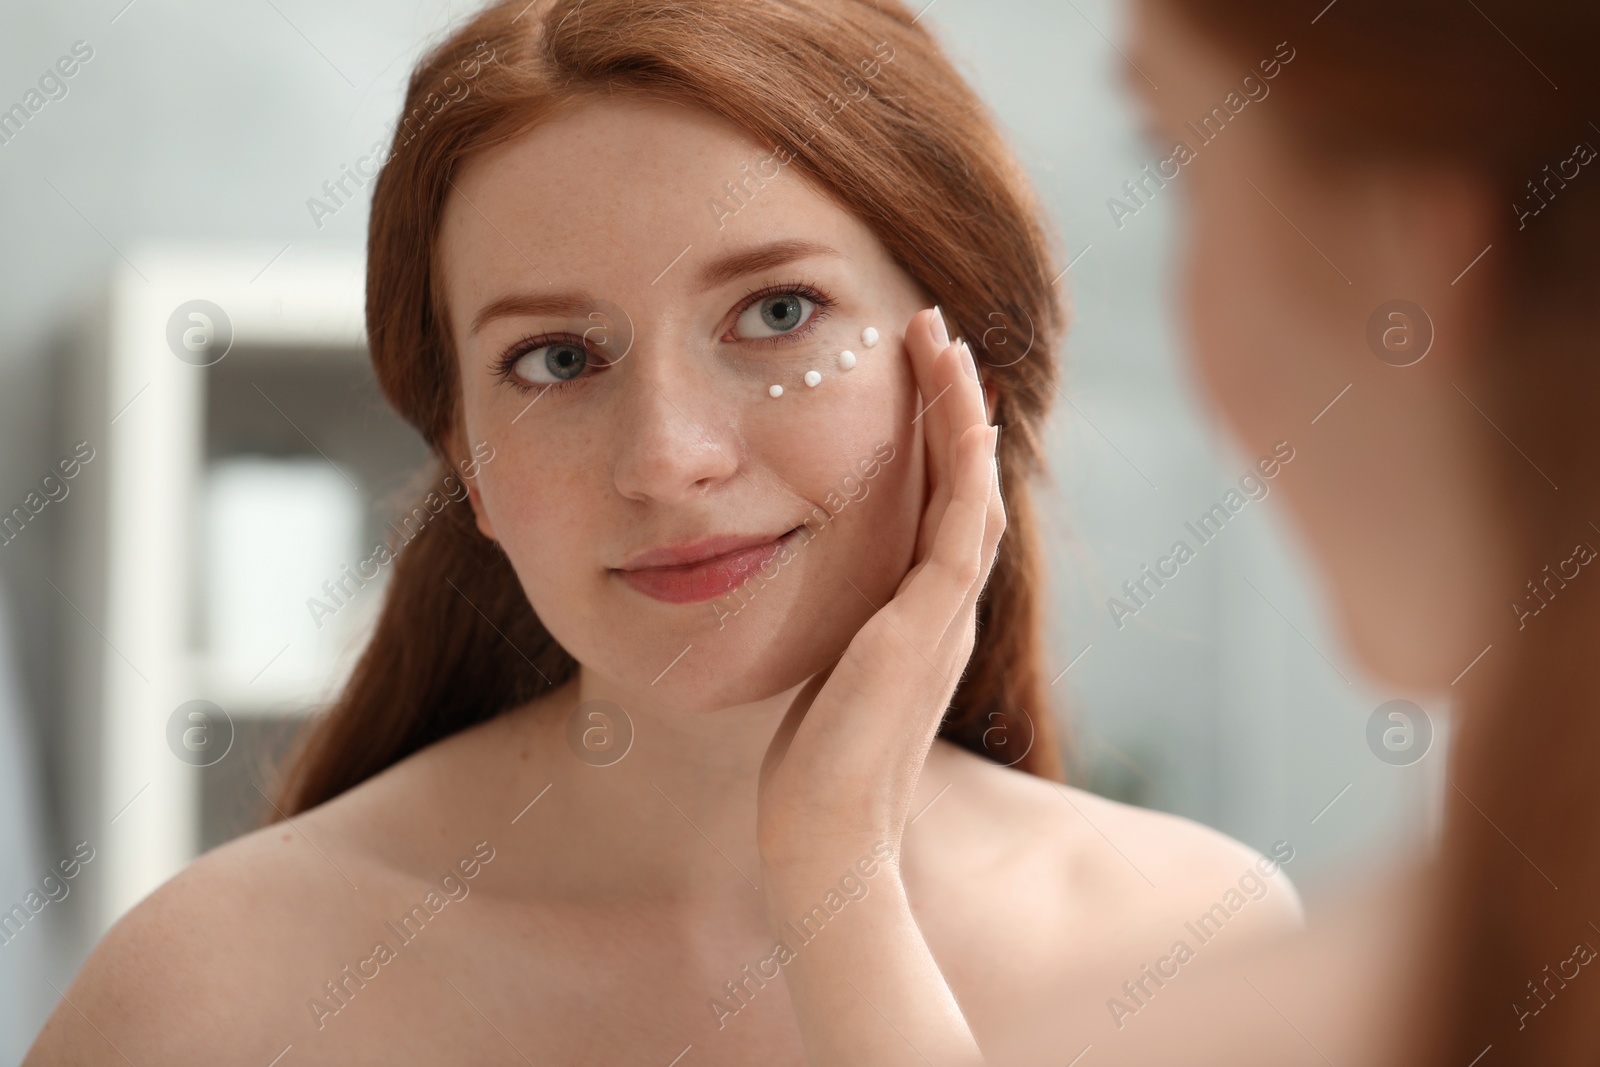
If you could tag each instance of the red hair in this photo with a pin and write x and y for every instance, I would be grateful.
(869, 109)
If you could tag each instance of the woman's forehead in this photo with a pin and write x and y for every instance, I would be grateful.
(628, 194)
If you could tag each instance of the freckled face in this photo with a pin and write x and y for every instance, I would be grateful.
(619, 319)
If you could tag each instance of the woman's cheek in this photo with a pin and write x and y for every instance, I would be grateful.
(537, 519)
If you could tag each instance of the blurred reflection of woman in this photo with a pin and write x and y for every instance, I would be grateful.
(1393, 255)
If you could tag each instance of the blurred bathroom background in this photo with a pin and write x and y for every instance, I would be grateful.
(156, 199)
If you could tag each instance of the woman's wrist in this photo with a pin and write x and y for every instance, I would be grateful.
(854, 956)
(795, 883)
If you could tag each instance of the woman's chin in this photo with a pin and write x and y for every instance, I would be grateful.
(1414, 653)
(718, 679)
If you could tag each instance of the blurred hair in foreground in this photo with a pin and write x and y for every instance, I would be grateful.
(1504, 97)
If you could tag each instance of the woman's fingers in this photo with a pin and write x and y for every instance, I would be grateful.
(879, 707)
(906, 651)
(902, 648)
(926, 342)
(784, 736)
(994, 529)
(959, 558)
(967, 408)
(951, 402)
(966, 398)
(927, 337)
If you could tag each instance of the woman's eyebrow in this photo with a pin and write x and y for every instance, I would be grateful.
(719, 271)
(763, 257)
(568, 304)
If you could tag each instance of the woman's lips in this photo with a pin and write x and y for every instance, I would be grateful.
(707, 579)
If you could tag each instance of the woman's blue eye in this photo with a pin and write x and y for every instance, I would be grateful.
(552, 364)
(773, 316)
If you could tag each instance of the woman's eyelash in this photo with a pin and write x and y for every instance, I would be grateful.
(823, 302)
(505, 365)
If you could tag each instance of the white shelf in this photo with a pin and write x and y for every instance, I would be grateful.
(137, 560)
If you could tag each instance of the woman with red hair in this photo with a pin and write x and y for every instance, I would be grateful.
(706, 718)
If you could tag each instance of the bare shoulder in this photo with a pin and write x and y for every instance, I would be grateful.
(164, 982)
(218, 964)
(1082, 877)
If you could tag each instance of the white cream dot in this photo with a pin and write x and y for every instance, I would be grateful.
(813, 379)
(775, 392)
(847, 359)
(869, 336)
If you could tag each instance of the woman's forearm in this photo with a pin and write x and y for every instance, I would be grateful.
(864, 986)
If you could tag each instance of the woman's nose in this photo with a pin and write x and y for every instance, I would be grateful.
(677, 437)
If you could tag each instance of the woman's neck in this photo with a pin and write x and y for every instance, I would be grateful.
(646, 798)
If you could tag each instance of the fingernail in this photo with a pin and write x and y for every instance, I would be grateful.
(972, 361)
(941, 333)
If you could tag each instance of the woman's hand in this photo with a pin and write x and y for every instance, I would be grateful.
(841, 770)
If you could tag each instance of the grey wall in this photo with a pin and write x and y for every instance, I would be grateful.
(199, 121)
